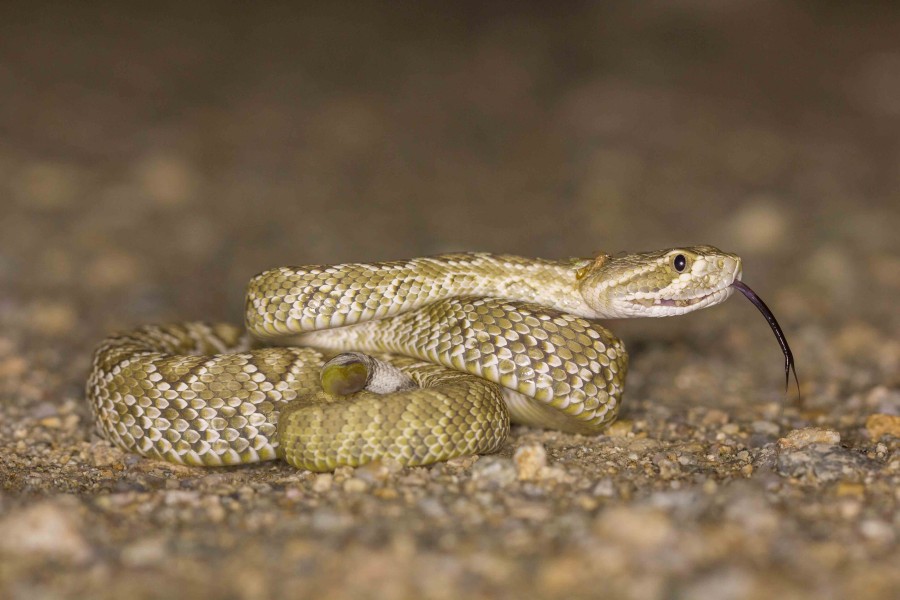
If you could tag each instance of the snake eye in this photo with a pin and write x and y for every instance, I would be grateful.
(679, 262)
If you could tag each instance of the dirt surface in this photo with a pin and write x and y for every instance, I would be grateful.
(151, 162)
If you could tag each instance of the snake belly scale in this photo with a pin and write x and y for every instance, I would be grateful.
(484, 338)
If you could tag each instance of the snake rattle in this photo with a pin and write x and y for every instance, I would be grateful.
(419, 361)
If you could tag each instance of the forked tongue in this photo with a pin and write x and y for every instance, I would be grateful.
(776, 329)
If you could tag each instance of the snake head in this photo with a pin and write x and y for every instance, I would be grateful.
(659, 284)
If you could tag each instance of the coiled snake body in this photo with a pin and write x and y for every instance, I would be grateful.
(463, 343)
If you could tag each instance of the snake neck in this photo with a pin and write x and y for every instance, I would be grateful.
(549, 283)
(295, 300)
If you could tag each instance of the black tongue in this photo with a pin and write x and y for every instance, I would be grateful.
(776, 329)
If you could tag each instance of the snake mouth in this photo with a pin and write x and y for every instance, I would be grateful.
(701, 301)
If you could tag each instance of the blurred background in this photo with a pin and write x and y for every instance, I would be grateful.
(146, 151)
(153, 159)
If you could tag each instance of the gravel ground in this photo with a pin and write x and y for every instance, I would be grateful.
(151, 162)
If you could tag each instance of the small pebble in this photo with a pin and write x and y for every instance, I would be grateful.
(604, 488)
(883, 399)
(620, 428)
(327, 520)
(530, 460)
(640, 528)
(849, 509)
(432, 507)
(462, 463)
(181, 497)
(145, 552)
(802, 438)
(51, 422)
(529, 511)
(378, 470)
(49, 528)
(322, 482)
(668, 469)
(355, 485)
(765, 428)
(821, 462)
(214, 509)
(878, 531)
(881, 425)
(494, 470)
(714, 417)
(731, 429)
(728, 584)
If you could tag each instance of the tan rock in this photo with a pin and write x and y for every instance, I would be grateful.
(881, 425)
(530, 460)
(808, 436)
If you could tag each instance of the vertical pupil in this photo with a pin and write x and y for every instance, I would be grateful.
(680, 262)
